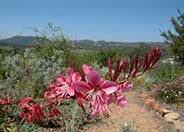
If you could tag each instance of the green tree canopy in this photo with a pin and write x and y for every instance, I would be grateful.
(176, 39)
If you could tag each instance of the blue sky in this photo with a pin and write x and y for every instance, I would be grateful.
(116, 20)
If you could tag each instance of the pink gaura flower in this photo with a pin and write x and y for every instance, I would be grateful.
(6, 101)
(38, 113)
(26, 115)
(80, 99)
(24, 102)
(64, 84)
(94, 83)
(29, 110)
(49, 93)
(124, 86)
(53, 111)
(118, 99)
(99, 103)
(97, 90)
(63, 87)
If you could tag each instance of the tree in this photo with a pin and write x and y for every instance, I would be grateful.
(176, 40)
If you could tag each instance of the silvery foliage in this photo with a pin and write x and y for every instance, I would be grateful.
(127, 127)
(26, 72)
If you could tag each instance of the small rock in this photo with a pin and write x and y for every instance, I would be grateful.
(169, 120)
(165, 111)
(150, 102)
(155, 87)
(179, 125)
(157, 107)
(144, 95)
(171, 117)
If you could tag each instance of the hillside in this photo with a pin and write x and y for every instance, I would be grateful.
(22, 41)
(19, 40)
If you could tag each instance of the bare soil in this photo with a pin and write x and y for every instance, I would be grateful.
(144, 119)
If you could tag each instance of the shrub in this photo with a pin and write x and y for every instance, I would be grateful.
(165, 72)
(95, 91)
(172, 92)
(2, 73)
(35, 80)
(102, 56)
(127, 127)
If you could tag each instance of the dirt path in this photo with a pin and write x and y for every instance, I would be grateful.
(144, 119)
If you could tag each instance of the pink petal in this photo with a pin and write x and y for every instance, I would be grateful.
(93, 78)
(86, 68)
(121, 101)
(29, 116)
(69, 72)
(76, 77)
(51, 84)
(110, 90)
(60, 79)
(99, 104)
(125, 86)
(128, 84)
(58, 98)
(108, 86)
(81, 87)
(53, 111)
(71, 91)
(24, 100)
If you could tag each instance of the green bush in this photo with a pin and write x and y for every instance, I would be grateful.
(172, 92)
(2, 73)
(170, 80)
(75, 118)
(29, 128)
(76, 59)
(102, 56)
(165, 72)
(27, 74)
(176, 40)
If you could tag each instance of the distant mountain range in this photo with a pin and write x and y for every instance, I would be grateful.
(27, 40)
(19, 40)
